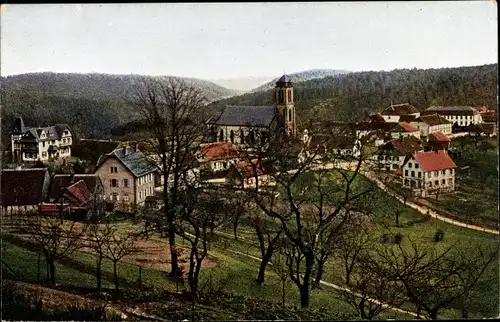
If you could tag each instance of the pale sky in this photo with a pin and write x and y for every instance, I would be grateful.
(218, 40)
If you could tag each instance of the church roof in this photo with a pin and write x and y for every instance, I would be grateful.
(284, 79)
(258, 116)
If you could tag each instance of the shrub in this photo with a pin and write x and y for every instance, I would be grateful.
(384, 238)
(397, 238)
(438, 235)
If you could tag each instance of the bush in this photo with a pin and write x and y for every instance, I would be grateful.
(397, 238)
(438, 235)
(384, 238)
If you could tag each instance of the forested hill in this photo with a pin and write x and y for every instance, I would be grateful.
(91, 104)
(302, 77)
(354, 95)
(97, 86)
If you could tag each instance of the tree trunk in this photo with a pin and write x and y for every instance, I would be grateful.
(283, 284)
(98, 273)
(319, 274)
(262, 268)
(235, 230)
(174, 264)
(433, 314)
(305, 288)
(52, 267)
(115, 264)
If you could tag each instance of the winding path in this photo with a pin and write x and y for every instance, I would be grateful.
(422, 209)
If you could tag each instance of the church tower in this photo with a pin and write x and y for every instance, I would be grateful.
(285, 108)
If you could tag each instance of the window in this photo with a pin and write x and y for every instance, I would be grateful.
(126, 197)
(114, 183)
(406, 172)
(443, 172)
(231, 136)
(221, 135)
(450, 182)
(413, 173)
(113, 170)
(224, 165)
(113, 196)
(443, 182)
(43, 143)
(420, 174)
(435, 173)
(125, 183)
(429, 184)
(436, 183)
(150, 191)
(140, 195)
(44, 154)
(416, 165)
(289, 115)
(410, 165)
(242, 137)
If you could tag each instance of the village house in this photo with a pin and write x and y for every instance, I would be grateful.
(250, 124)
(127, 176)
(429, 123)
(403, 129)
(23, 190)
(245, 174)
(437, 141)
(40, 143)
(394, 112)
(218, 156)
(72, 193)
(391, 155)
(431, 172)
(459, 115)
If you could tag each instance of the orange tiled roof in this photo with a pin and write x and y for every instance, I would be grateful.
(408, 127)
(219, 151)
(439, 137)
(434, 161)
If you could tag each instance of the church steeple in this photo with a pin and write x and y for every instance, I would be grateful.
(284, 105)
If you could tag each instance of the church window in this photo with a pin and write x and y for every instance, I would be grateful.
(231, 136)
(242, 137)
(281, 97)
(221, 135)
(289, 115)
(289, 96)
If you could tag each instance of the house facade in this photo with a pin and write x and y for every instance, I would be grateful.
(30, 144)
(23, 190)
(127, 176)
(246, 175)
(459, 115)
(251, 124)
(431, 123)
(431, 172)
(218, 156)
(391, 155)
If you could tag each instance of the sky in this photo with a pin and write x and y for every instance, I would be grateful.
(225, 40)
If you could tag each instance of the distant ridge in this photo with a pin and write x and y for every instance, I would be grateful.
(302, 77)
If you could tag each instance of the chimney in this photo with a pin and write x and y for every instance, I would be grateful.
(124, 148)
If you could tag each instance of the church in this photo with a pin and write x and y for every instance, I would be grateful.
(249, 124)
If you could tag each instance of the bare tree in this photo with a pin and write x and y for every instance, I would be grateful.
(350, 249)
(172, 111)
(117, 246)
(98, 238)
(279, 267)
(302, 227)
(56, 238)
(205, 209)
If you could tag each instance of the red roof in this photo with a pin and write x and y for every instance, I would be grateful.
(408, 127)
(434, 161)
(80, 191)
(399, 172)
(219, 151)
(439, 137)
(248, 170)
